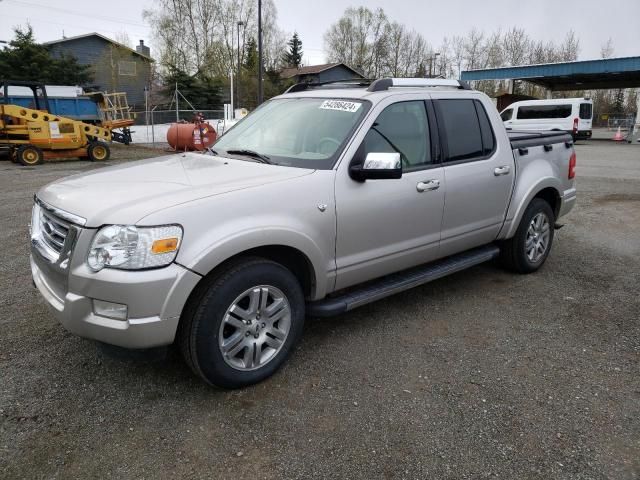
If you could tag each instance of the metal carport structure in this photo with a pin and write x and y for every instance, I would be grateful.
(606, 73)
(582, 75)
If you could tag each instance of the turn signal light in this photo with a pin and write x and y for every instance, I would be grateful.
(164, 245)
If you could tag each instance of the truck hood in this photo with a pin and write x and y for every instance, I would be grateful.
(125, 194)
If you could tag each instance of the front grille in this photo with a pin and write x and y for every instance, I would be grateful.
(54, 230)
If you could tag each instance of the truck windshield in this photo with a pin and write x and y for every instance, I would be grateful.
(297, 132)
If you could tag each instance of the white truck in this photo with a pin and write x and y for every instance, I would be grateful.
(322, 200)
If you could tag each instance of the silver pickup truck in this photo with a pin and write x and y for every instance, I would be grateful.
(323, 199)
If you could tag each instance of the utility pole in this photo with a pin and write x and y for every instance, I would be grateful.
(260, 86)
(240, 24)
(177, 109)
(431, 59)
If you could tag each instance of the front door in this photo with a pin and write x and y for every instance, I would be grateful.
(388, 225)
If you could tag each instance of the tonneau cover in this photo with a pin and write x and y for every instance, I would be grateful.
(526, 139)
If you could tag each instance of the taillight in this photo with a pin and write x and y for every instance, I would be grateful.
(572, 166)
(575, 125)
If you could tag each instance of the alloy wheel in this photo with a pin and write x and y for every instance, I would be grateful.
(255, 327)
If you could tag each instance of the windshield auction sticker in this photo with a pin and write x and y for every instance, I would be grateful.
(340, 105)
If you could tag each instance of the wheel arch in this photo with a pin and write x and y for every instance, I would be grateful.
(548, 189)
(288, 256)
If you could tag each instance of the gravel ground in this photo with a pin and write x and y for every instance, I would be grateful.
(484, 374)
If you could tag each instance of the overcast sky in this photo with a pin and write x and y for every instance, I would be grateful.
(594, 21)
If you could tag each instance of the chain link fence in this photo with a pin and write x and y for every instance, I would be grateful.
(613, 121)
(151, 126)
(156, 117)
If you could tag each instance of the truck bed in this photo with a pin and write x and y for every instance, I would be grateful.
(522, 139)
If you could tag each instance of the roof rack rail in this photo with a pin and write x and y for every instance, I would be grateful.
(347, 82)
(387, 83)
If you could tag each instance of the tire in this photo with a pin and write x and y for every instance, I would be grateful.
(98, 152)
(254, 348)
(523, 253)
(13, 155)
(29, 155)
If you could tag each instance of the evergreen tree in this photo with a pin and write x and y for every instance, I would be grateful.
(293, 57)
(618, 103)
(26, 60)
(251, 56)
(202, 92)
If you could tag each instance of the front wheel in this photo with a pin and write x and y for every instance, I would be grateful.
(243, 323)
(527, 251)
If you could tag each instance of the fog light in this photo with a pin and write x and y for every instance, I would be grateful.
(116, 311)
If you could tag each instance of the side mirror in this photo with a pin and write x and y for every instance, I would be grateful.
(377, 166)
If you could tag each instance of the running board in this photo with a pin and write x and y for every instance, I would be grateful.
(399, 282)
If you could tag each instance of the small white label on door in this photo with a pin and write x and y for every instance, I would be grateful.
(340, 105)
(54, 130)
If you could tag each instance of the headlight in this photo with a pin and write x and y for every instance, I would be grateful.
(129, 247)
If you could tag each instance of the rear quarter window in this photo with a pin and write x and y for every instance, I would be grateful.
(488, 138)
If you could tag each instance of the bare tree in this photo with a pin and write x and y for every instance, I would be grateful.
(606, 50)
(200, 36)
(515, 46)
(474, 49)
(358, 39)
(123, 38)
(458, 46)
(570, 47)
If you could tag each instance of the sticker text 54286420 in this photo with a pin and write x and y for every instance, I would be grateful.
(341, 105)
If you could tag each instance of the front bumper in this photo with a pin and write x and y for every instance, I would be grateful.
(154, 298)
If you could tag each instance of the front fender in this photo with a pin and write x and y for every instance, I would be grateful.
(214, 254)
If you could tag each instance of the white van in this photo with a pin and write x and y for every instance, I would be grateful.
(572, 115)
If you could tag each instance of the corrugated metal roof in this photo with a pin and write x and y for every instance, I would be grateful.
(616, 72)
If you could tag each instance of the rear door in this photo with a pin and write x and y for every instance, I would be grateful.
(585, 116)
(478, 170)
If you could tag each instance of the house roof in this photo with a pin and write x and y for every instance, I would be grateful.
(313, 69)
(95, 34)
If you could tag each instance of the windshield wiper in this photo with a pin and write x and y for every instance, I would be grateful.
(250, 153)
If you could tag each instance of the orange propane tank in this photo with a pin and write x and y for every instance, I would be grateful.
(191, 136)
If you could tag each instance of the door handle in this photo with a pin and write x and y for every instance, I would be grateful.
(432, 184)
(503, 170)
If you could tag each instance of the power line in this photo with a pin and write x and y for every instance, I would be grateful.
(66, 25)
(71, 12)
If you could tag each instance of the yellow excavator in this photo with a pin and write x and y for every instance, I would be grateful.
(32, 135)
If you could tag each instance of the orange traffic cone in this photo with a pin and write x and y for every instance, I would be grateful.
(618, 136)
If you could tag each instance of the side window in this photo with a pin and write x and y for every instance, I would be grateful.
(506, 115)
(533, 112)
(585, 111)
(462, 127)
(402, 128)
(488, 138)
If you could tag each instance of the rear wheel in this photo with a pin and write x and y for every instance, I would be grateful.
(29, 155)
(527, 251)
(243, 323)
(98, 151)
